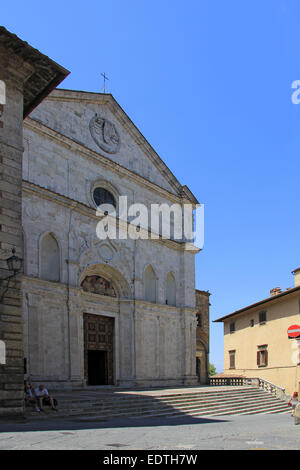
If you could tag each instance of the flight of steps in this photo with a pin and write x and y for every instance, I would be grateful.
(199, 402)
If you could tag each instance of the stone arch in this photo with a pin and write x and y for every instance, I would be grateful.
(170, 289)
(202, 362)
(117, 283)
(49, 257)
(150, 284)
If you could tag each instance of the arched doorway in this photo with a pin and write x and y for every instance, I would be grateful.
(106, 284)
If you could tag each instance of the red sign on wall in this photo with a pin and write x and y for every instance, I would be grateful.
(294, 331)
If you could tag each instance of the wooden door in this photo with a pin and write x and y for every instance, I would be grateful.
(98, 336)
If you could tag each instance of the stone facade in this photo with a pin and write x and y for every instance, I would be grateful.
(75, 142)
(25, 83)
(202, 335)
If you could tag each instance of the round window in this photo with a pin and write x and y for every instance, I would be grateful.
(102, 196)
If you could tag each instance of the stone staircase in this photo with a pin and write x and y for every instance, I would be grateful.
(99, 405)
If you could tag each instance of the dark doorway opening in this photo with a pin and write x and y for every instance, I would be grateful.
(198, 369)
(97, 367)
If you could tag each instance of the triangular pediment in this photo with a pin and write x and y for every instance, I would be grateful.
(98, 122)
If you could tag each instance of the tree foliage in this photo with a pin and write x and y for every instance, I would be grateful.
(212, 369)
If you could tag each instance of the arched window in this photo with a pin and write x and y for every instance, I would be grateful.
(170, 290)
(49, 258)
(150, 284)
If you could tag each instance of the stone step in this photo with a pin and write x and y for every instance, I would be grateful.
(120, 393)
(223, 411)
(196, 413)
(218, 409)
(210, 402)
(127, 400)
(162, 403)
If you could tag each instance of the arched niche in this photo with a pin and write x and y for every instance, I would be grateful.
(49, 258)
(170, 289)
(150, 288)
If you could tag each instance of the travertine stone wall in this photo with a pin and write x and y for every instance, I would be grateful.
(154, 343)
(13, 73)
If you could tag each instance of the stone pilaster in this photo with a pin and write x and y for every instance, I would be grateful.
(11, 323)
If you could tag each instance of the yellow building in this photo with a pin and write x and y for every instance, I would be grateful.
(256, 342)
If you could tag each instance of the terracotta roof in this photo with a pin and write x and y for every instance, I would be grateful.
(260, 303)
(47, 73)
(224, 376)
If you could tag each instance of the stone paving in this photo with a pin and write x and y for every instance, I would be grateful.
(185, 433)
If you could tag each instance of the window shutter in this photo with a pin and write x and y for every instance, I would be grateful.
(266, 357)
(258, 358)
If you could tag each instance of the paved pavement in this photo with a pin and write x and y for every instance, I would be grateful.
(184, 433)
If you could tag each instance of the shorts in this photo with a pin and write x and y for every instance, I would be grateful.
(46, 401)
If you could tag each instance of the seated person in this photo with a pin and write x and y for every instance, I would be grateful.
(29, 396)
(44, 398)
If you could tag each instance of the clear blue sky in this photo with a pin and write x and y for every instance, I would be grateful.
(209, 85)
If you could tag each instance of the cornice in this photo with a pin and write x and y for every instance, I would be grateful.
(71, 204)
(80, 293)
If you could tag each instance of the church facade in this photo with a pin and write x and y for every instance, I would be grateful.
(100, 311)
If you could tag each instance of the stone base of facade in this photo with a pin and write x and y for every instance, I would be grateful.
(191, 380)
(14, 412)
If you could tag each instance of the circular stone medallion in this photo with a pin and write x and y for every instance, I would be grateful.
(104, 134)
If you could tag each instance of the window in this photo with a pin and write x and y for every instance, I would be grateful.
(150, 284)
(251, 323)
(49, 258)
(102, 196)
(262, 356)
(199, 320)
(170, 290)
(262, 317)
(232, 327)
(232, 359)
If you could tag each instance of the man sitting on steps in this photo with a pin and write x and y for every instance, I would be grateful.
(44, 398)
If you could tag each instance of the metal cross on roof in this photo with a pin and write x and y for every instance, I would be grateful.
(104, 80)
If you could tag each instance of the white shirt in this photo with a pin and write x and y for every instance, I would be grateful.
(40, 393)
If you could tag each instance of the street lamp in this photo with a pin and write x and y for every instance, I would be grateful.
(14, 263)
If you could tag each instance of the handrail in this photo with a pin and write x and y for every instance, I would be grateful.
(272, 388)
(250, 381)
